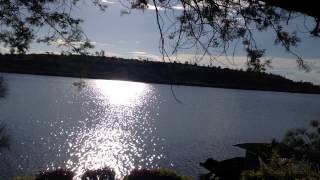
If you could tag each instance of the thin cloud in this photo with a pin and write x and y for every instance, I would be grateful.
(108, 1)
(121, 41)
(137, 52)
(161, 8)
(177, 7)
(4, 49)
(152, 7)
(144, 55)
(60, 42)
(100, 44)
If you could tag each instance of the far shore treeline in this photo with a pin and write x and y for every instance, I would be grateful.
(149, 71)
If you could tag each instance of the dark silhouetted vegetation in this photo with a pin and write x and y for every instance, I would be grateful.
(280, 161)
(148, 71)
(99, 174)
(57, 174)
(306, 142)
(208, 26)
(296, 157)
(3, 88)
(19, 31)
(155, 174)
(4, 137)
(283, 169)
(304, 139)
(108, 174)
(202, 25)
(226, 169)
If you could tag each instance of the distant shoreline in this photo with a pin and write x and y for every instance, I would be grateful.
(113, 68)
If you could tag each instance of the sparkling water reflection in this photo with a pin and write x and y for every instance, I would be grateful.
(53, 123)
(123, 93)
(121, 134)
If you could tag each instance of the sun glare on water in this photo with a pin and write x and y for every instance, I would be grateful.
(120, 133)
(122, 93)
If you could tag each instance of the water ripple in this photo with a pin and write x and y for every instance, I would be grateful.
(120, 133)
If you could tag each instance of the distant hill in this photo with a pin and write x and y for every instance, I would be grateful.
(151, 72)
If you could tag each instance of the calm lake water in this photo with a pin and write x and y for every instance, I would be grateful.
(128, 125)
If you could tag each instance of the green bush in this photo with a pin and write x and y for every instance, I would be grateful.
(283, 169)
(302, 166)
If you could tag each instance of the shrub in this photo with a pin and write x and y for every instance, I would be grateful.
(303, 165)
(282, 169)
(4, 138)
(3, 88)
(304, 139)
(155, 174)
(57, 174)
(99, 174)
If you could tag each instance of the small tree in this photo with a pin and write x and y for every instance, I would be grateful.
(12, 50)
(102, 53)
(283, 169)
(4, 138)
(304, 165)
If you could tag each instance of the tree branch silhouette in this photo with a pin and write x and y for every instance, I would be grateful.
(207, 25)
(203, 25)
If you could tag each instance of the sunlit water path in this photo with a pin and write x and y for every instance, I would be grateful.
(121, 131)
(89, 124)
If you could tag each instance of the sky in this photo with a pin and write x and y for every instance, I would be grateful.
(136, 35)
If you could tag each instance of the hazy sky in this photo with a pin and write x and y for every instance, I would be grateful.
(136, 35)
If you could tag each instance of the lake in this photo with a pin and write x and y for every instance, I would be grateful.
(63, 122)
